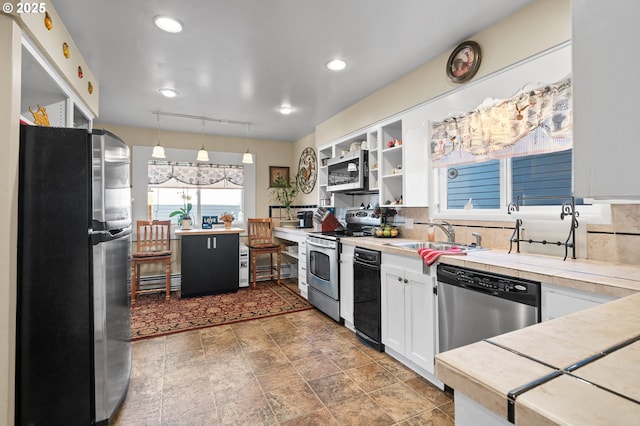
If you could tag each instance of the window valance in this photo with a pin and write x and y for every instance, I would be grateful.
(531, 122)
(212, 175)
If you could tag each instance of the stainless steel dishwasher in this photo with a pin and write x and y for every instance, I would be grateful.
(475, 305)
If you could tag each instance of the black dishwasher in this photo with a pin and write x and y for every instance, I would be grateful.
(366, 297)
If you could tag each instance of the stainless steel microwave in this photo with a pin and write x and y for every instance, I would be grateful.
(348, 172)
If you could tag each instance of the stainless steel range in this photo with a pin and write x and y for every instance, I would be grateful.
(323, 260)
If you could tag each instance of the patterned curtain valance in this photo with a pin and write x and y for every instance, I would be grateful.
(532, 122)
(214, 175)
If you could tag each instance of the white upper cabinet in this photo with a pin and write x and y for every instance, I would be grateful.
(606, 148)
(415, 137)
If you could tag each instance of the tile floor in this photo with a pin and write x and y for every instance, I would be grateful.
(294, 369)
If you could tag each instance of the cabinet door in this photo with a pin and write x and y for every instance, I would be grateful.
(209, 264)
(346, 287)
(603, 99)
(419, 320)
(415, 136)
(193, 264)
(561, 301)
(393, 305)
(224, 258)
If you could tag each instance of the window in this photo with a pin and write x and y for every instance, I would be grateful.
(479, 182)
(211, 189)
(536, 176)
(206, 201)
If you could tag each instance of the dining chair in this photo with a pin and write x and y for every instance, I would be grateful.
(260, 242)
(153, 247)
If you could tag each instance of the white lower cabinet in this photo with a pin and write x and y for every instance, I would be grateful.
(408, 312)
(346, 285)
(559, 301)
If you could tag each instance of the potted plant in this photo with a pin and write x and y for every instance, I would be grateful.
(227, 218)
(285, 193)
(184, 213)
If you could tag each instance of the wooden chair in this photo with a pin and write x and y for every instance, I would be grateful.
(260, 241)
(153, 247)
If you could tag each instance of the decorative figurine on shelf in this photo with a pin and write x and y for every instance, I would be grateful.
(40, 117)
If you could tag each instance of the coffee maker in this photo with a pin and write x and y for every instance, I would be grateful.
(305, 219)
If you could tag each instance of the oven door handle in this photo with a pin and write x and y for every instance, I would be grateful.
(309, 243)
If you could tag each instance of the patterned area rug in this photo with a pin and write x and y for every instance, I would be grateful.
(153, 317)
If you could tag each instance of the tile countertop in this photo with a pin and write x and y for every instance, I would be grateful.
(603, 391)
(616, 280)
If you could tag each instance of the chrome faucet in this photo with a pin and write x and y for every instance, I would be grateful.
(448, 230)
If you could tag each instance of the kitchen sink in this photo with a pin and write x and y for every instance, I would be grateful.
(416, 245)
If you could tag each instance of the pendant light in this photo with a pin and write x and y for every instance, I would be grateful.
(158, 151)
(247, 158)
(203, 155)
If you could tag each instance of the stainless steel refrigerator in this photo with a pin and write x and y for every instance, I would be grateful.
(73, 359)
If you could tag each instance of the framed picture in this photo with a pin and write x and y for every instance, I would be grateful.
(464, 61)
(276, 172)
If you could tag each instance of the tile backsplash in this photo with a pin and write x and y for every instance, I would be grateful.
(618, 242)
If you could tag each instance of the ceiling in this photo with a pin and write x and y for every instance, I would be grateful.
(240, 60)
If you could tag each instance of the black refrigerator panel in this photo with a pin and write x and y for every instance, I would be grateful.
(54, 360)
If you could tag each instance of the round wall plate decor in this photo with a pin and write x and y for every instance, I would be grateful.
(307, 170)
(464, 61)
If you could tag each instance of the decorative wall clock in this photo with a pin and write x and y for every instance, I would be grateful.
(464, 61)
(307, 170)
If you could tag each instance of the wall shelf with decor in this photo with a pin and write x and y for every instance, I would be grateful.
(325, 197)
(391, 163)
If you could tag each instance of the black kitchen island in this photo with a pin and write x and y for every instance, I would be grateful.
(210, 261)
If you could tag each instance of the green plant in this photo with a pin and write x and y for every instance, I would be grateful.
(285, 193)
(185, 211)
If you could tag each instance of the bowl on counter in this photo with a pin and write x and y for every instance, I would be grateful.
(387, 231)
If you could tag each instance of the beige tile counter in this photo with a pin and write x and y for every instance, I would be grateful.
(598, 277)
(559, 343)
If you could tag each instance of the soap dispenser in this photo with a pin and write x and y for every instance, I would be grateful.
(469, 205)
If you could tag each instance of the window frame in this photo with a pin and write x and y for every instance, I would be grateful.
(591, 213)
(141, 155)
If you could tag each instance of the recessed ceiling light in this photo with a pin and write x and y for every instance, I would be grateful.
(336, 65)
(286, 109)
(168, 24)
(169, 93)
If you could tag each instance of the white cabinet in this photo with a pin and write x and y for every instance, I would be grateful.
(302, 268)
(605, 151)
(559, 301)
(346, 285)
(408, 311)
(391, 163)
(416, 168)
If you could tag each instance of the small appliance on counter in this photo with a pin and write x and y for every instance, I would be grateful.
(305, 218)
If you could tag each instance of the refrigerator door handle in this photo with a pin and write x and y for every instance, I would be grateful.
(98, 237)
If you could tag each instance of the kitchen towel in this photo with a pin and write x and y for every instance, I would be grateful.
(430, 256)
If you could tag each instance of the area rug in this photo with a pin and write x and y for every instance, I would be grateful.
(153, 316)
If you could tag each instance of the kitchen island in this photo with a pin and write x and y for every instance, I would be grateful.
(210, 261)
